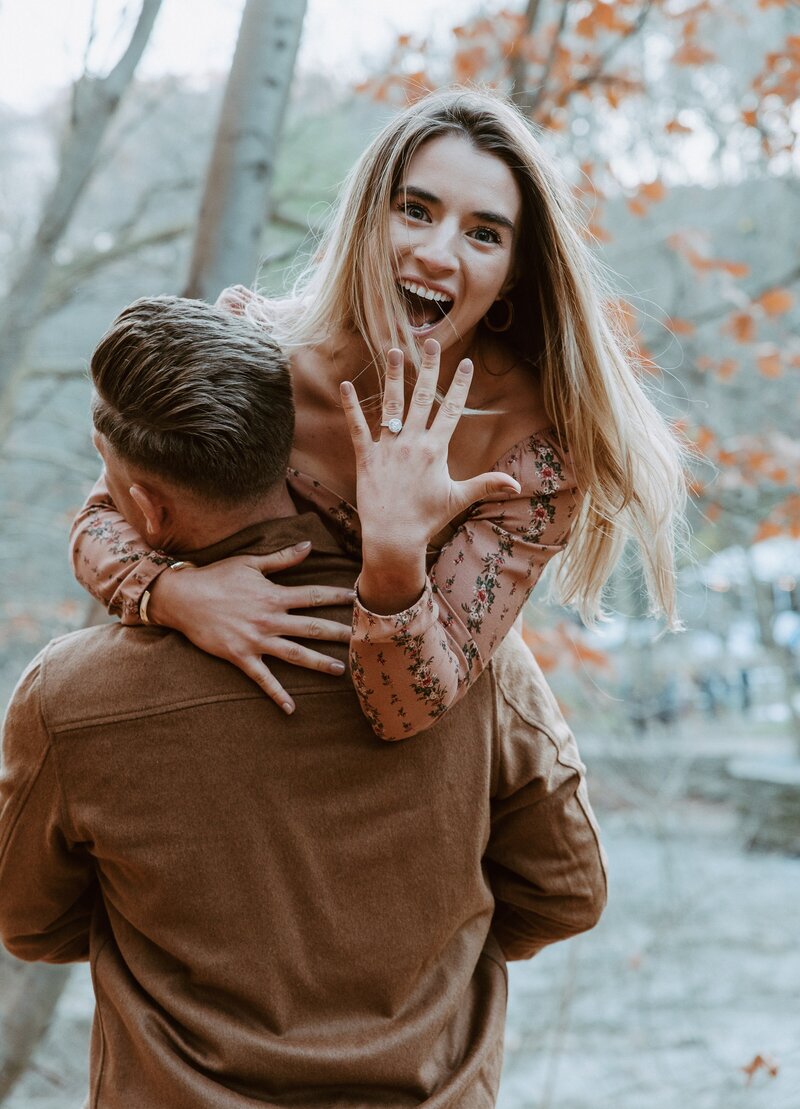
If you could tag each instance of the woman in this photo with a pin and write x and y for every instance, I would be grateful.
(453, 227)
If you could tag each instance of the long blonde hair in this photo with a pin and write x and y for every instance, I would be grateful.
(629, 464)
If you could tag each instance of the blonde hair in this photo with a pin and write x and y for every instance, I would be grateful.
(629, 464)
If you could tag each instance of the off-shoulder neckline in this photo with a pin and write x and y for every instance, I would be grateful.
(548, 432)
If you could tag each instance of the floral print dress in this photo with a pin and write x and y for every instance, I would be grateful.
(410, 667)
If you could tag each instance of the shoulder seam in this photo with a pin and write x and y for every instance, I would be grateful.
(542, 728)
(23, 800)
(166, 710)
(51, 734)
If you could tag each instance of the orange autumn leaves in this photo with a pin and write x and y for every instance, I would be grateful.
(770, 304)
(760, 1062)
(783, 520)
(561, 643)
(603, 17)
(769, 359)
(742, 323)
(686, 245)
(764, 465)
(774, 302)
(650, 193)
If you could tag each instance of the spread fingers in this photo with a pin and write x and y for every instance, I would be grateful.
(394, 401)
(452, 407)
(425, 388)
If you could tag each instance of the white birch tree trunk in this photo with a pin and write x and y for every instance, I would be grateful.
(235, 205)
(95, 101)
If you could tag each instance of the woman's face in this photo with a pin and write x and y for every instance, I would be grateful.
(453, 226)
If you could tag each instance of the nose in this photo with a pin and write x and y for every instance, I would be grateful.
(436, 249)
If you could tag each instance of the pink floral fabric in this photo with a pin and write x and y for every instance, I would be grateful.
(410, 667)
(109, 557)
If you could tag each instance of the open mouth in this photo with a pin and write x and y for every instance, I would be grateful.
(424, 307)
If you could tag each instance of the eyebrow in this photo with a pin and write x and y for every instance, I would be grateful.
(485, 217)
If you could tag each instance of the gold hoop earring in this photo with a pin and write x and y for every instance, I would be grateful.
(509, 317)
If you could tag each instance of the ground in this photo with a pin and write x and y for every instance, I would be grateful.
(692, 973)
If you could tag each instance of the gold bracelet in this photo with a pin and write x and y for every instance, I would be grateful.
(145, 598)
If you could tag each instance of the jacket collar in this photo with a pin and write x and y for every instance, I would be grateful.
(267, 537)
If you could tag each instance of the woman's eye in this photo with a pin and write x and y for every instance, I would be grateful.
(486, 235)
(415, 211)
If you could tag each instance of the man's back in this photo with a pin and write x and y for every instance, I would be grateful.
(292, 912)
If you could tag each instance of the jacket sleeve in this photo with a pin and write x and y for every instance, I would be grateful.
(544, 861)
(109, 557)
(411, 667)
(47, 881)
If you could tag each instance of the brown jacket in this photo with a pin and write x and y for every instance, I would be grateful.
(286, 911)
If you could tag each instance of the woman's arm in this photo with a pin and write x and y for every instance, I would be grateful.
(411, 666)
(109, 557)
(228, 609)
(419, 640)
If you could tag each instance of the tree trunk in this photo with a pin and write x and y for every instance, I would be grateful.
(95, 101)
(235, 204)
(519, 66)
(29, 996)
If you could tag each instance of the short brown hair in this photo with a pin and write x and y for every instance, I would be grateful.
(196, 395)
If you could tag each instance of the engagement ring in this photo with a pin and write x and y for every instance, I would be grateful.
(394, 425)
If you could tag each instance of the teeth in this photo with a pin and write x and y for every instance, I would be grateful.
(426, 294)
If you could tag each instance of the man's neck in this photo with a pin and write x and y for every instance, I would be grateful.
(198, 531)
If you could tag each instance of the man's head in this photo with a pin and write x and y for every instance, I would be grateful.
(193, 418)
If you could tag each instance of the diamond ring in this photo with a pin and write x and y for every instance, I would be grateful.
(394, 425)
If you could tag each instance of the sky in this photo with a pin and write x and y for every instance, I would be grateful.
(42, 42)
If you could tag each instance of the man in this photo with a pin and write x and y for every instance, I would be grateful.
(279, 910)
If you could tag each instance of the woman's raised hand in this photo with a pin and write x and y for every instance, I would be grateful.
(231, 610)
(405, 494)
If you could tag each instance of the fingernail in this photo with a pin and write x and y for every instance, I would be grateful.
(337, 668)
(395, 356)
(346, 388)
(287, 707)
(466, 366)
(430, 346)
(351, 596)
(303, 546)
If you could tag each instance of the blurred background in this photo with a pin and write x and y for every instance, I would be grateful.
(676, 122)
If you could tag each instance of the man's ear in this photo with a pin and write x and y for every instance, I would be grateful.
(152, 507)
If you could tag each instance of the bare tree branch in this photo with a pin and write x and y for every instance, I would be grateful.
(719, 311)
(66, 280)
(531, 104)
(596, 73)
(94, 104)
(602, 62)
(55, 373)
